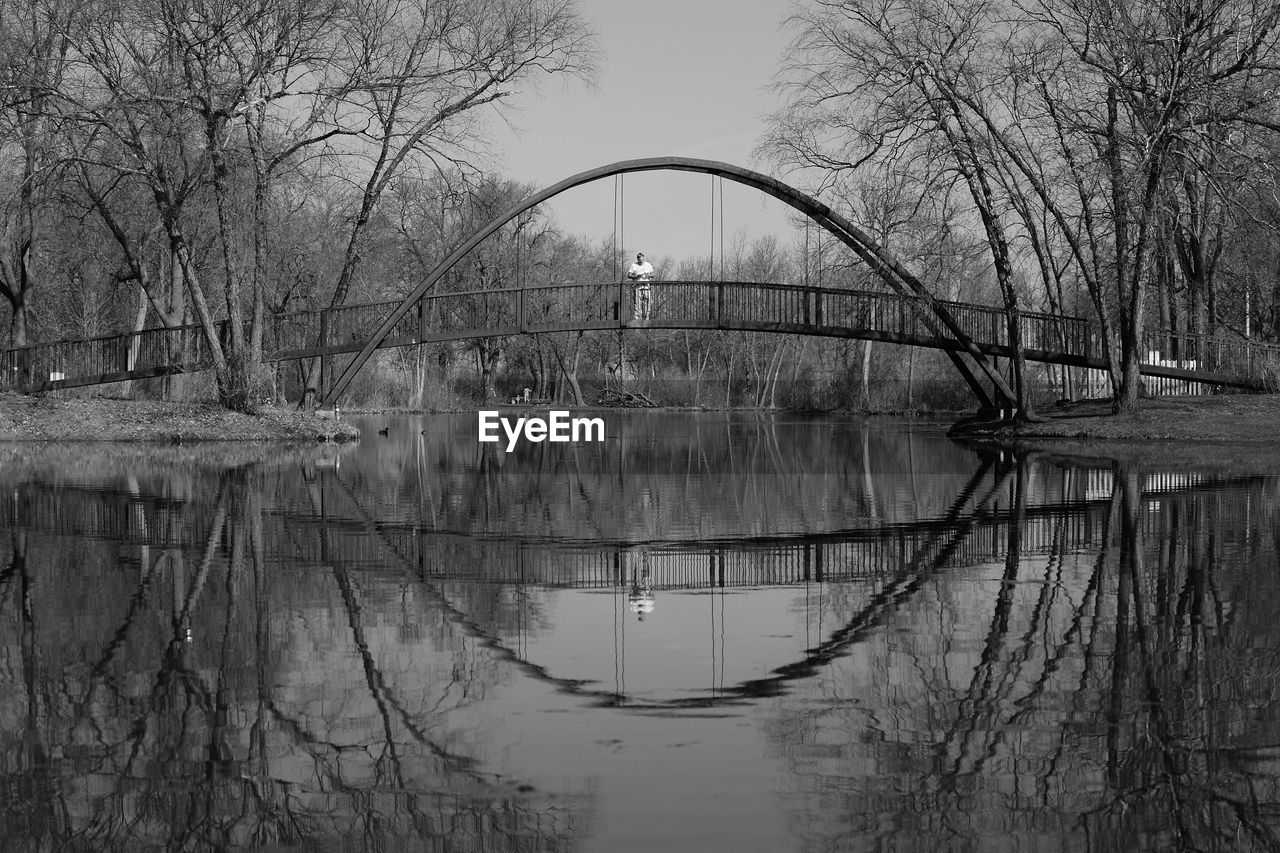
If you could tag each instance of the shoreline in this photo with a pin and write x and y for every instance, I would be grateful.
(1218, 419)
(108, 420)
(1225, 433)
(543, 406)
(1182, 427)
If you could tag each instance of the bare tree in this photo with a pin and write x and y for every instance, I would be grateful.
(1140, 96)
(33, 60)
(205, 106)
(1073, 126)
(421, 70)
(161, 91)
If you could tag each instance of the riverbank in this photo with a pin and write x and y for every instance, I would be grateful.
(1228, 432)
(1244, 420)
(48, 418)
(122, 461)
(1236, 419)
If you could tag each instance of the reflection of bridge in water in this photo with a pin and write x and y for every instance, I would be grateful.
(995, 517)
(836, 556)
(1061, 646)
(888, 566)
(988, 522)
(976, 531)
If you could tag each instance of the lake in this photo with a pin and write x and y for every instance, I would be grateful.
(707, 632)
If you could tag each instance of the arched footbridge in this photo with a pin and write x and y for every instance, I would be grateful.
(907, 313)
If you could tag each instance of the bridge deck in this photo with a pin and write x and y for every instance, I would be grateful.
(742, 306)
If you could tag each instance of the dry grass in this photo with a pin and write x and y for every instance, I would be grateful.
(1228, 433)
(1236, 419)
(47, 418)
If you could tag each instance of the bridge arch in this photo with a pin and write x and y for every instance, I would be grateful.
(876, 256)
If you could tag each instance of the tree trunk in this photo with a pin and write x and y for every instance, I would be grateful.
(16, 287)
(1130, 394)
(569, 366)
(488, 354)
(231, 369)
(18, 322)
(135, 343)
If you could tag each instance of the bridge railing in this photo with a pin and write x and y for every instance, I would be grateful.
(555, 307)
(294, 332)
(106, 358)
(441, 316)
(762, 304)
(1046, 332)
(344, 328)
(602, 305)
(1251, 360)
(480, 311)
(884, 312)
(696, 302)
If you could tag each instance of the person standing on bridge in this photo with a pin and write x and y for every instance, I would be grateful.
(641, 272)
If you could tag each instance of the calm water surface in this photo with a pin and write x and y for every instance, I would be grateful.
(709, 632)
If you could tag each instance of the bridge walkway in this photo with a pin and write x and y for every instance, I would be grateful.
(587, 306)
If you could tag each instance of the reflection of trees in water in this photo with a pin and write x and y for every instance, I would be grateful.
(670, 476)
(1111, 700)
(703, 478)
(203, 696)
(271, 681)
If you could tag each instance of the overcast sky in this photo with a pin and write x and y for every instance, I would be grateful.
(686, 77)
